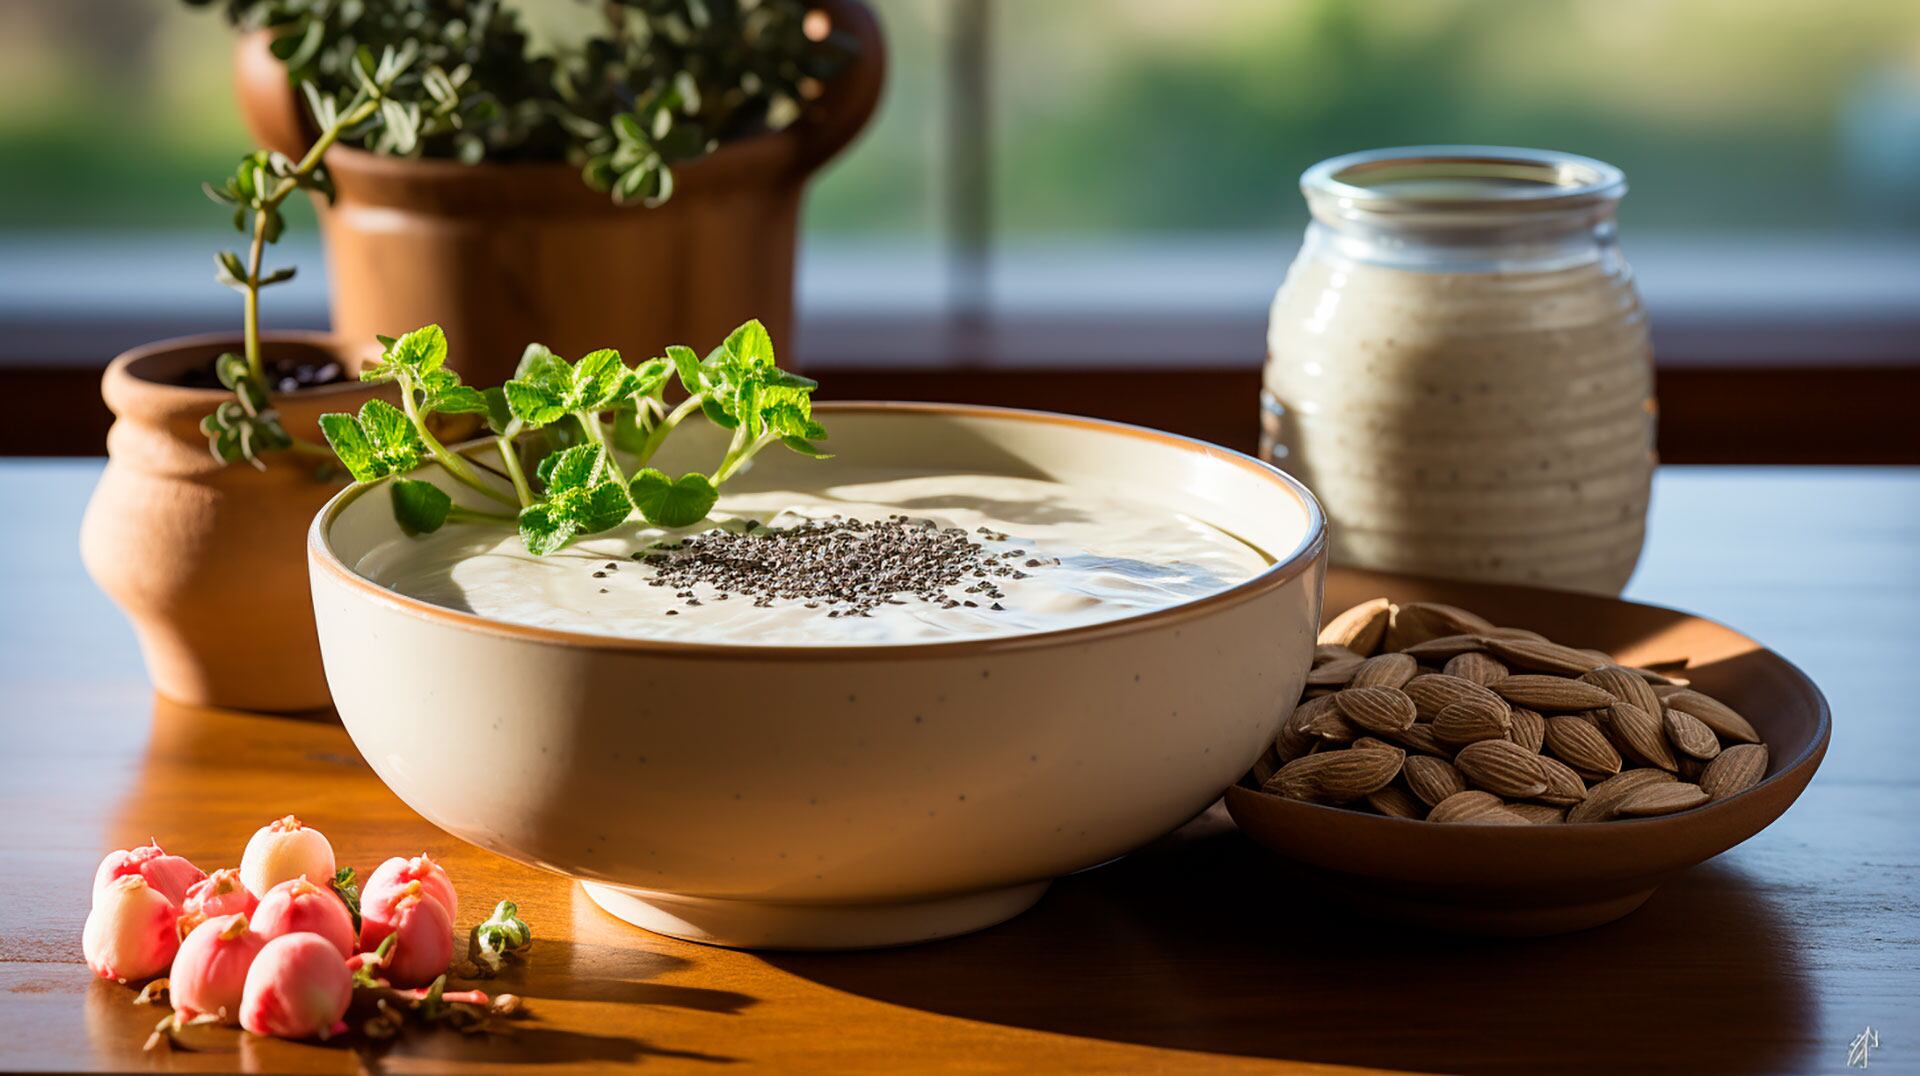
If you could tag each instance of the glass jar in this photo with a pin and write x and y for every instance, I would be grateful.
(1457, 365)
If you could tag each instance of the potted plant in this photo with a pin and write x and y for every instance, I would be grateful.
(601, 192)
(216, 463)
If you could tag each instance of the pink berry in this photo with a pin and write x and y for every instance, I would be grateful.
(172, 876)
(300, 907)
(131, 932)
(297, 988)
(210, 970)
(422, 937)
(219, 893)
(389, 881)
(283, 850)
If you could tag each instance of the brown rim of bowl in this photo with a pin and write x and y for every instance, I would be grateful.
(320, 556)
(1809, 756)
(311, 337)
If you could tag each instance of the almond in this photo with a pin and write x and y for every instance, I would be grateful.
(1580, 744)
(1552, 693)
(1474, 807)
(1690, 735)
(1432, 779)
(1475, 666)
(1660, 799)
(1433, 692)
(1334, 673)
(1330, 726)
(1326, 652)
(1421, 738)
(1396, 802)
(1738, 768)
(1603, 800)
(1640, 736)
(1529, 729)
(1624, 686)
(1446, 647)
(1334, 777)
(1361, 628)
(1564, 787)
(1541, 656)
(1514, 633)
(1472, 721)
(1539, 814)
(1384, 710)
(1294, 740)
(1385, 670)
(1715, 714)
(1416, 622)
(1503, 768)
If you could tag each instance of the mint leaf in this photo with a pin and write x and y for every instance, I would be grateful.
(597, 378)
(716, 413)
(422, 351)
(542, 530)
(499, 415)
(458, 400)
(805, 447)
(349, 444)
(348, 889)
(541, 365)
(533, 403)
(647, 378)
(750, 345)
(687, 365)
(627, 434)
(420, 507)
(605, 506)
(666, 502)
(572, 468)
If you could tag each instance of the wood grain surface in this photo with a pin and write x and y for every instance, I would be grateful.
(1203, 953)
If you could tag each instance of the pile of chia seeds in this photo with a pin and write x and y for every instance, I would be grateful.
(844, 567)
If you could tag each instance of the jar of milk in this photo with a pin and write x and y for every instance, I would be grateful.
(1458, 366)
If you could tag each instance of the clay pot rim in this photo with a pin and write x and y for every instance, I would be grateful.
(138, 364)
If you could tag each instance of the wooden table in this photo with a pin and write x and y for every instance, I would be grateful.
(1202, 953)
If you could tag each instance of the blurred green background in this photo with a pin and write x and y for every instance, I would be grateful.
(1119, 117)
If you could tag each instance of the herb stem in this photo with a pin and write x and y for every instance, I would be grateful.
(308, 448)
(739, 453)
(454, 465)
(659, 433)
(457, 514)
(510, 456)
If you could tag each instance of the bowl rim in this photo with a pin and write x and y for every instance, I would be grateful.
(1311, 548)
(1808, 759)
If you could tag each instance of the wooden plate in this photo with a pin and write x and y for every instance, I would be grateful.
(1550, 879)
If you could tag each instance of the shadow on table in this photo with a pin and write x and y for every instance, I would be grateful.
(1208, 943)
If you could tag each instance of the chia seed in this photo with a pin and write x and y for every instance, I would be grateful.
(848, 567)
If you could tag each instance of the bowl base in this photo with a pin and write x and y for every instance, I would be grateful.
(748, 924)
(1494, 919)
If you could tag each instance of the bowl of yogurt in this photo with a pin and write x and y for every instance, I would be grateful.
(871, 700)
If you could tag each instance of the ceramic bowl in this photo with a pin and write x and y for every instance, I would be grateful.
(822, 797)
(1550, 879)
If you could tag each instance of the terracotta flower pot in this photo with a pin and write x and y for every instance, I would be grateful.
(503, 254)
(207, 559)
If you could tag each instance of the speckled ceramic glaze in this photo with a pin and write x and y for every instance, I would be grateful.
(838, 797)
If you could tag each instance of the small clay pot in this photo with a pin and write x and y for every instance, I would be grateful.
(207, 559)
(504, 254)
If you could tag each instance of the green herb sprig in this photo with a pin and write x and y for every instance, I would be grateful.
(247, 426)
(590, 413)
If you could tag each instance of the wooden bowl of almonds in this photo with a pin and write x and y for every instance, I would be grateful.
(1507, 760)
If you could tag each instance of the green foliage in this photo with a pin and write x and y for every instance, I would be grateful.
(661, 83)
(666, 502)
(420, 507)
(502, 936)
(380, 441)
(576, 410)
(581, 498)
(345, 884)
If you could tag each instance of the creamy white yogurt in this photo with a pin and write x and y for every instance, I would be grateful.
(1116, 556)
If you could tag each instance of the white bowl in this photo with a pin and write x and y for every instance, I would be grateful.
(838, 797)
